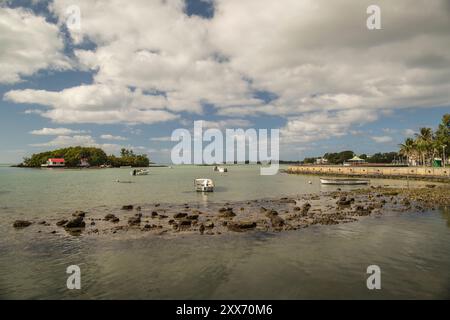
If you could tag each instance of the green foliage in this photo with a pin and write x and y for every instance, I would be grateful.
(338, 158)
(95, 157)
(128, 158)
(427, 144)
(72, 156)
(387, 157)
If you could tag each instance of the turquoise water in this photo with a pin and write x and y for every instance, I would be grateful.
(411, 249)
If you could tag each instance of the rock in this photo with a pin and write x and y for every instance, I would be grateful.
(271, 214)
(134, 221)
(138, 209)
(161, 216)
(154, 214)
(305, 209)
(185, 224)
(81, 214)
(21, 224)
(157, 205)
(226, 213)
(171, 221)
(287, 200)
(209, 225)
(42, 222)
(127, 207)
(241, 226)
(277, 222)
(92, 223)
(75, 223)
(297, 208)
(193, 217)
(430, 186)
(180, 215)
(61, 223)
(361, 211)
(343, 201)
(201, 229)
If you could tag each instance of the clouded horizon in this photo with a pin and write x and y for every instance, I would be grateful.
(136, 70)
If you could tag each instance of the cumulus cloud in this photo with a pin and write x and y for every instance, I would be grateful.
(327, 73)
(28, 44)
(55, 132)
(66, 141)
(112, 137)
(382, 139)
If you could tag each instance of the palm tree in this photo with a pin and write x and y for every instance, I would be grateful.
(408, 149)
(424, 141)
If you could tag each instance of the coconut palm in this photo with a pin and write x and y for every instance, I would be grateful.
(424, 142)
(408, 149)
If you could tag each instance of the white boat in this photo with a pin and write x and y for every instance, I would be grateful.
(344, 181)
(140, 172)
(220, 169)
(204, 185)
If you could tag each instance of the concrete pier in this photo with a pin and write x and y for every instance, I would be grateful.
(378, 172)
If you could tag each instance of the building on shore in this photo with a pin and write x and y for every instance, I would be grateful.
(54, 163)
(354, 161)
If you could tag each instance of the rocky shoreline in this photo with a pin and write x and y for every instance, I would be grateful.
(264, 215)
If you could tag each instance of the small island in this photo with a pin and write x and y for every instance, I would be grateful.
(85, 157)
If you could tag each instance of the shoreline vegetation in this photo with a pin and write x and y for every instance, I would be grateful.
(423, 149)
(263, 215)
(93, 157)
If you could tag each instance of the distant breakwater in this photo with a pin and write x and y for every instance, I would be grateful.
(441, 174)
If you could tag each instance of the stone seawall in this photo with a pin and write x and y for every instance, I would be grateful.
(388, 172)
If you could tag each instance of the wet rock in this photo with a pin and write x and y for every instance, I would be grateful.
(277, 222)
(61, 223)
(134, 221)
(180, 215)
(19, 224)
(128, 207)
(75, 223)
(184, 224)
(209, 225)
(344, 201)
(226, 213)
(362, 211)
(271, 214)
(241, 226)
(201, 229)
(81, 214)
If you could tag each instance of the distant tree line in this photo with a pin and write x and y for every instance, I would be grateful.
(94, 156)
(423, 148)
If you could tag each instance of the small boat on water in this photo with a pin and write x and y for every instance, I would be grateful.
(343, 181)
(204, 185)
(140, 172)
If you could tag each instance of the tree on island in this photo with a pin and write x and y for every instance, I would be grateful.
(94, 156)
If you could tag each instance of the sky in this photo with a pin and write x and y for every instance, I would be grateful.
(133, 71)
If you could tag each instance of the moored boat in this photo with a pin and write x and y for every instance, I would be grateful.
(343, 181)
(140, 172)
(204, 185)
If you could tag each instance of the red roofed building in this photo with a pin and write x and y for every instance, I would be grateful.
(55, 162)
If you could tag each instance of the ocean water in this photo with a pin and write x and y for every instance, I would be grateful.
(412, 249)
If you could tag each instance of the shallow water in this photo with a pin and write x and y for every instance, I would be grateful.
(411, 249)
